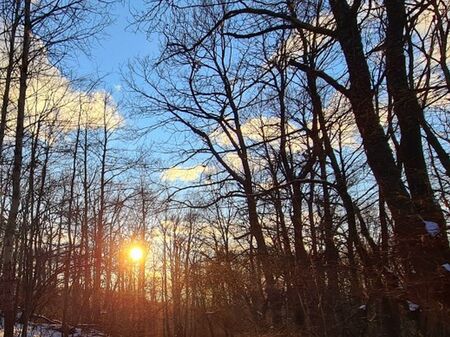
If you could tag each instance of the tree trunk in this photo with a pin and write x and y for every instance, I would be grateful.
(68, 260)
(9, 72)
(8, 277)
(99, 237)
(424, 259)
(408, 112)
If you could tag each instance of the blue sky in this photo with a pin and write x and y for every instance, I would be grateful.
(108, 57)
(119, 43)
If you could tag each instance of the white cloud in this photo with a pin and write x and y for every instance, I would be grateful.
(52, 97)
(186, 174)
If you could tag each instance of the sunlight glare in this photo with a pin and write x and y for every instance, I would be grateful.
(136, 253)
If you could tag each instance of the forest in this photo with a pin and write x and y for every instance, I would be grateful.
(267, 168)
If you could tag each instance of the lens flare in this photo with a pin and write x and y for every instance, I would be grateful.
(136, 253)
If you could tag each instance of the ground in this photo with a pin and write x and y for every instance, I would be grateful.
(50, 330)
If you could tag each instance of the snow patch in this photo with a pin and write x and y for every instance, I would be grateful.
(432, 228)
(413, 306)
(446, 266)
(49, 330)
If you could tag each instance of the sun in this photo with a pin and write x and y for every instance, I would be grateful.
(136, 253)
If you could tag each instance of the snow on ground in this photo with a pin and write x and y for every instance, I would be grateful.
(49, 330)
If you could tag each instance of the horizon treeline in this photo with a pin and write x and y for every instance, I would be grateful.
(282, 166)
